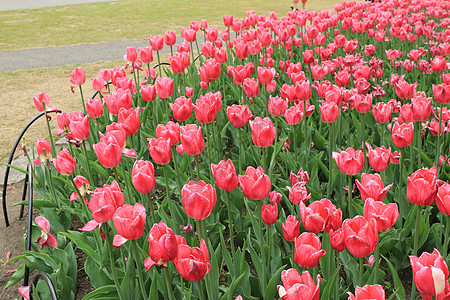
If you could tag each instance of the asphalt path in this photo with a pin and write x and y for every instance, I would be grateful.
(69, 55)
(64, 55)
(31, 4)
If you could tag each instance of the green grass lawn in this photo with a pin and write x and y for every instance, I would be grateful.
(124, 20)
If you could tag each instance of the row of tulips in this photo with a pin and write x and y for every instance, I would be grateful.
(141, 167)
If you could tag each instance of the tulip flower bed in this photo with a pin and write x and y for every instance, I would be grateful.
(314, 165)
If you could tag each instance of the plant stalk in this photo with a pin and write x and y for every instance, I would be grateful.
(138, 267)
(168, 284)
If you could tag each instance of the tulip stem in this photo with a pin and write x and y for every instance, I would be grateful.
(198, 167)
(400, 187)
(417, 233)
(363, 126)
(177, 171)
(112, 261)
(169, 200)
(159, 64)
(138, 267)
(152, 209)
(240, 149)
(446, 238)
(416, 246)
(262, 279)
(330, 159)
(438, 146)
(168, 284)
(350, 190)
(88, 167)
(361, 271)
(52, 143)
(419, 139)
(377, 262)
(82, 100)
(230, 224)
(127, 188)
(269, 243)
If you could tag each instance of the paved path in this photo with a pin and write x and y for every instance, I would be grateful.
(30, 4)
(69, 55)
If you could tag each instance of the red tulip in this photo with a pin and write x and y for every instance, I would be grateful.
(239, 115)
(441, 93)
(404, 90)
(371, 186)
(46, 239)
(43, 149)
(41, 101)
(360, 236)
(265, 75)
(263, 132)
(297, 287)
(129, 221)
(83, 186)
(130, 119)
(269, 214)
(337, 240)
(163, 245)
(385, 214)
(382, 112)
(443, 198)
(170, 38)
(329, 112)
(379, 158)
(402, 135)
(206, 108)
(350, 162)
(131, 54)
(373, 292)
(105, 201)
(64, 162)
(191, 140)
(192, 263)
(225, 175)
(115, 101)
(438, 64)
(209, 71)
(298, 193)
(156, 42)
(301, 176)
(148, 92)
(79, 126)
(294, 115)
(146, 54)
(108, 152)
(94, 108)
(255, 184)
(308, 250)
(291, 228)
(165, 87)
(421, 186)
(363, 104)
(251, 87)
(275, 197)
(170, 131)
(343, 78)
(228, 20)
(421, 108)
(320, 215)
(77, 77)
(406, 114)
(182, 108)
(160, 150)
(277, 106)
(143, 176)
(198, 199)
(430, 273)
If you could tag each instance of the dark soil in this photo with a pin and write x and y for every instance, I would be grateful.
(11, 240)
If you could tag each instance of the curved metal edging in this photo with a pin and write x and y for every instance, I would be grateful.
(49, 283)
(11, 156)
(30, 221)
